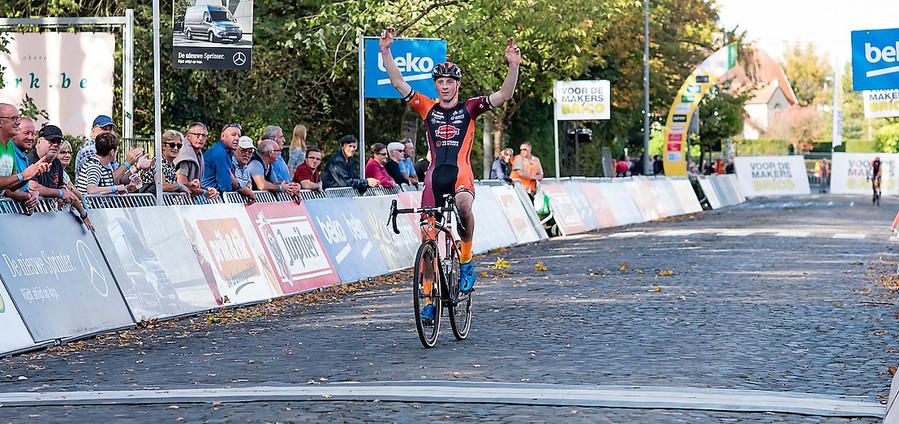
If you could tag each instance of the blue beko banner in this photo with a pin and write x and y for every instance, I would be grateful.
(875, 59)
(416, 59)
(354, 253)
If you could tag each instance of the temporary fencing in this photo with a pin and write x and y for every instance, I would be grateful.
(154, 262)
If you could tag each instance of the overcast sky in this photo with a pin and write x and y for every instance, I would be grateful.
(825, 23)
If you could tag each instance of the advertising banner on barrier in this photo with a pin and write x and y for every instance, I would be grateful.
(515, 213)
(567, 217)
(225, 237)
(711, 194)
(410, 200)
(15, 336)
(642, 199)
(293, 246)
(655, 199)
(397, 250)
(771, 175)
(492, 229)
(621, 203)
(580, 203)
(154, 263)
(69, 75)
(851, 173)
(346, 238)
(667, 196)
(598, 204)
(687, 196)
(57, 277)
(734, 187)
(528, 204)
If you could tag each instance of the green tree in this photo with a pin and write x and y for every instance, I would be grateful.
(807, 73)
(720, 117)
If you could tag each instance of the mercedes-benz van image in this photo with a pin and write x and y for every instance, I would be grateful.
(214, 23)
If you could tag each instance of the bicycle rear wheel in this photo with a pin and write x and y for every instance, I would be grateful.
(460, 310)
(426, 291)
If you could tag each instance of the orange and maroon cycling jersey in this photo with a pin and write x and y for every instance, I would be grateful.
(450, 136)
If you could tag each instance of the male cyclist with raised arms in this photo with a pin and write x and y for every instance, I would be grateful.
(450, 126)
(875, 178)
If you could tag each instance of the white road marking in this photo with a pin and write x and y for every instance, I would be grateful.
(849, 236)
(736, 233)
(677, 233)
(691, 398)
(792, 234)
(629, 234)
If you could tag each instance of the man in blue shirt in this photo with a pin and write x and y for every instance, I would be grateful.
(219, 159)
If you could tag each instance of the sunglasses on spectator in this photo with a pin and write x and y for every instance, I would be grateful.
(234, 125)
(175, 145)
(381, 153)
(199, 135)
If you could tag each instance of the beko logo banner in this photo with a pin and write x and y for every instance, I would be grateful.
(875, 59)
(415, 58)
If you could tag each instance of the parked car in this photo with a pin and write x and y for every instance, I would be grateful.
(214, 23)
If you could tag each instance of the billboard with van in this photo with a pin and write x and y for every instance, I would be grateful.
(212, 34)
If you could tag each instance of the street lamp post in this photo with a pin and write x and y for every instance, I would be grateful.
(646, 166)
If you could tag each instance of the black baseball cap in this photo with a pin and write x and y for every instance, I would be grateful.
(50, 133)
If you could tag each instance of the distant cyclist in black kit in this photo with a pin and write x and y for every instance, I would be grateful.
(875, 180)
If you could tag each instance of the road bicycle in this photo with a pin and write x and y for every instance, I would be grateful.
(436, 275)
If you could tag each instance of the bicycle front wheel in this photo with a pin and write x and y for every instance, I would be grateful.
(460, 309)
(426, 294)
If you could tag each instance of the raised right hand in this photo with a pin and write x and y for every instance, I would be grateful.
(387, 37)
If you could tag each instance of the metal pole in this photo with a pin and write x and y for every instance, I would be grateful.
(128, 75)
(488, 146)
(157, 103)
(646, 168)
(556, 138)
(361, 106)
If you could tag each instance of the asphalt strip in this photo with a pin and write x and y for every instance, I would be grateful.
(639, 397)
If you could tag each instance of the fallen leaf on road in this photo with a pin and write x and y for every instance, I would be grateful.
(623, 266)
(666, 272)
(501, 264)
(658, 288)
(892, 370)
(540, 266)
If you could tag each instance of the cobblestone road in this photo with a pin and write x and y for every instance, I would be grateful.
(779, 295)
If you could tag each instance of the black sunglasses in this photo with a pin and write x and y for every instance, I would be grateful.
(233, 124)
(175, 145)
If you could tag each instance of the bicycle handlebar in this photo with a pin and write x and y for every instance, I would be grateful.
(394, 211)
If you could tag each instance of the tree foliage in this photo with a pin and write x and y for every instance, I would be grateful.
(807, 73)
(305, 63)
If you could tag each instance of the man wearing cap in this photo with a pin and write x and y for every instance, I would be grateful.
(242, 178)
(341, 170)
(135, 161)
(219, 159)
(263, 173)
(51, 184)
